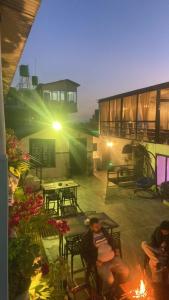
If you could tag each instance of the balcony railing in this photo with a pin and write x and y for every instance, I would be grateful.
(142, 131)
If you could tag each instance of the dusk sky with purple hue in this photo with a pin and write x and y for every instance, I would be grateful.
(108, 46)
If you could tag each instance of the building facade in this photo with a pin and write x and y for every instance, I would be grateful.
(138, 116)
(34, 108)
(60, 94)
(62, 154)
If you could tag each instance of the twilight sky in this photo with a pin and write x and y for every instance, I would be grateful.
(108, 46)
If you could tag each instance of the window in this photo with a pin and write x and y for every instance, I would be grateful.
(58, 95)
(164, 94)
(147, 106)
(62, 96)
(104, 111)
(55, 96)
(71, 96)
(115, 110)
(47, 95)
(129, 108)
(104, 117)
(44, 151)
(164, 112)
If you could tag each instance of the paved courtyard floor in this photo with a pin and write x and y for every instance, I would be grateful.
(137, 217)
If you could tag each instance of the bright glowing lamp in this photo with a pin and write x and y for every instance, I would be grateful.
(57, 126)
(110, 144)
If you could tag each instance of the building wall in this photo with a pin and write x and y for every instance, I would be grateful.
(110, 149)
(158, 149)
(115, 155)
(62, 169)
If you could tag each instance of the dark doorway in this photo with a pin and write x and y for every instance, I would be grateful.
(78, 156)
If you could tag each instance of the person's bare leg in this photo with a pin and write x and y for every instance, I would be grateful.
(107, 277)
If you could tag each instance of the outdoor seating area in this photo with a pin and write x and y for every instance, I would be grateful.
(54, 219)
(84, 150)
(68, 245)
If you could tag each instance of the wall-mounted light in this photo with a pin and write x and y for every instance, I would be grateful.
(109, 144)
(57, 126)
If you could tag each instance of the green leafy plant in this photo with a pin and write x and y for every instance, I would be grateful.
(40, 287)
(22, 253)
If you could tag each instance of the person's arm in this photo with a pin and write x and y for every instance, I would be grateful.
(154, 239)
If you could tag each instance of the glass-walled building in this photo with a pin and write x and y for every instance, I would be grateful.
(140, 115)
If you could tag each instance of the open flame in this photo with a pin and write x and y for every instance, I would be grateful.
(141, 292)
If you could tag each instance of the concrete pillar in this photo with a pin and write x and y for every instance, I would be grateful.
(3, 194)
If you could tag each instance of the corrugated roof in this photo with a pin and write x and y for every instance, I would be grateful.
(17, 18)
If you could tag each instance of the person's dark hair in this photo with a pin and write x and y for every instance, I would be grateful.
(164, 225)
(93, 221)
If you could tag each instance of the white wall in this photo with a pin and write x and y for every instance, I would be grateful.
(62, 169)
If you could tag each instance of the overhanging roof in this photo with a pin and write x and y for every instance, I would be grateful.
(61, 81)
(17, 17)
(164, 85)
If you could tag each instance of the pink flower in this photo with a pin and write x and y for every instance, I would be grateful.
(26, 156)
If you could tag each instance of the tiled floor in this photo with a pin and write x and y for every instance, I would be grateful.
(137, 217)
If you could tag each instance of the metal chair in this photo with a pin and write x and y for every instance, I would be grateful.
(73, 248)
(68, 211)
(52, 199)
(68, 194)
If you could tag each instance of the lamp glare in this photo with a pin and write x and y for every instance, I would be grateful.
(57, 126)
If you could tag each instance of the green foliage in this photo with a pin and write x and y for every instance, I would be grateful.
(21, 256)
(40, 288)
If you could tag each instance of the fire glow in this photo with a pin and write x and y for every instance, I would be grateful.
(141, 292)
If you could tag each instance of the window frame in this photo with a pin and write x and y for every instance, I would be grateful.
(52, 156)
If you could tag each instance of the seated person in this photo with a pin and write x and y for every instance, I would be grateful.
(98, 250)
(158, 251)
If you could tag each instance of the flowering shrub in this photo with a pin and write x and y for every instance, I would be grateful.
(25, 210)
(13, 148)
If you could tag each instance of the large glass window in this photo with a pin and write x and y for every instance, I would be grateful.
(104, 118)
(164, 110)
(71, 96)
(164, 115)
(55, 96)
(164, 94)
(129, 108)
(47, 95)
(104, 111)
(115, 110)
(58, 95)
(147, 106)
(62, 96)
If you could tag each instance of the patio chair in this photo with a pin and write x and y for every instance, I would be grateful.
(68, 211)
(68, 194)
(73, 248)
(52, 202)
